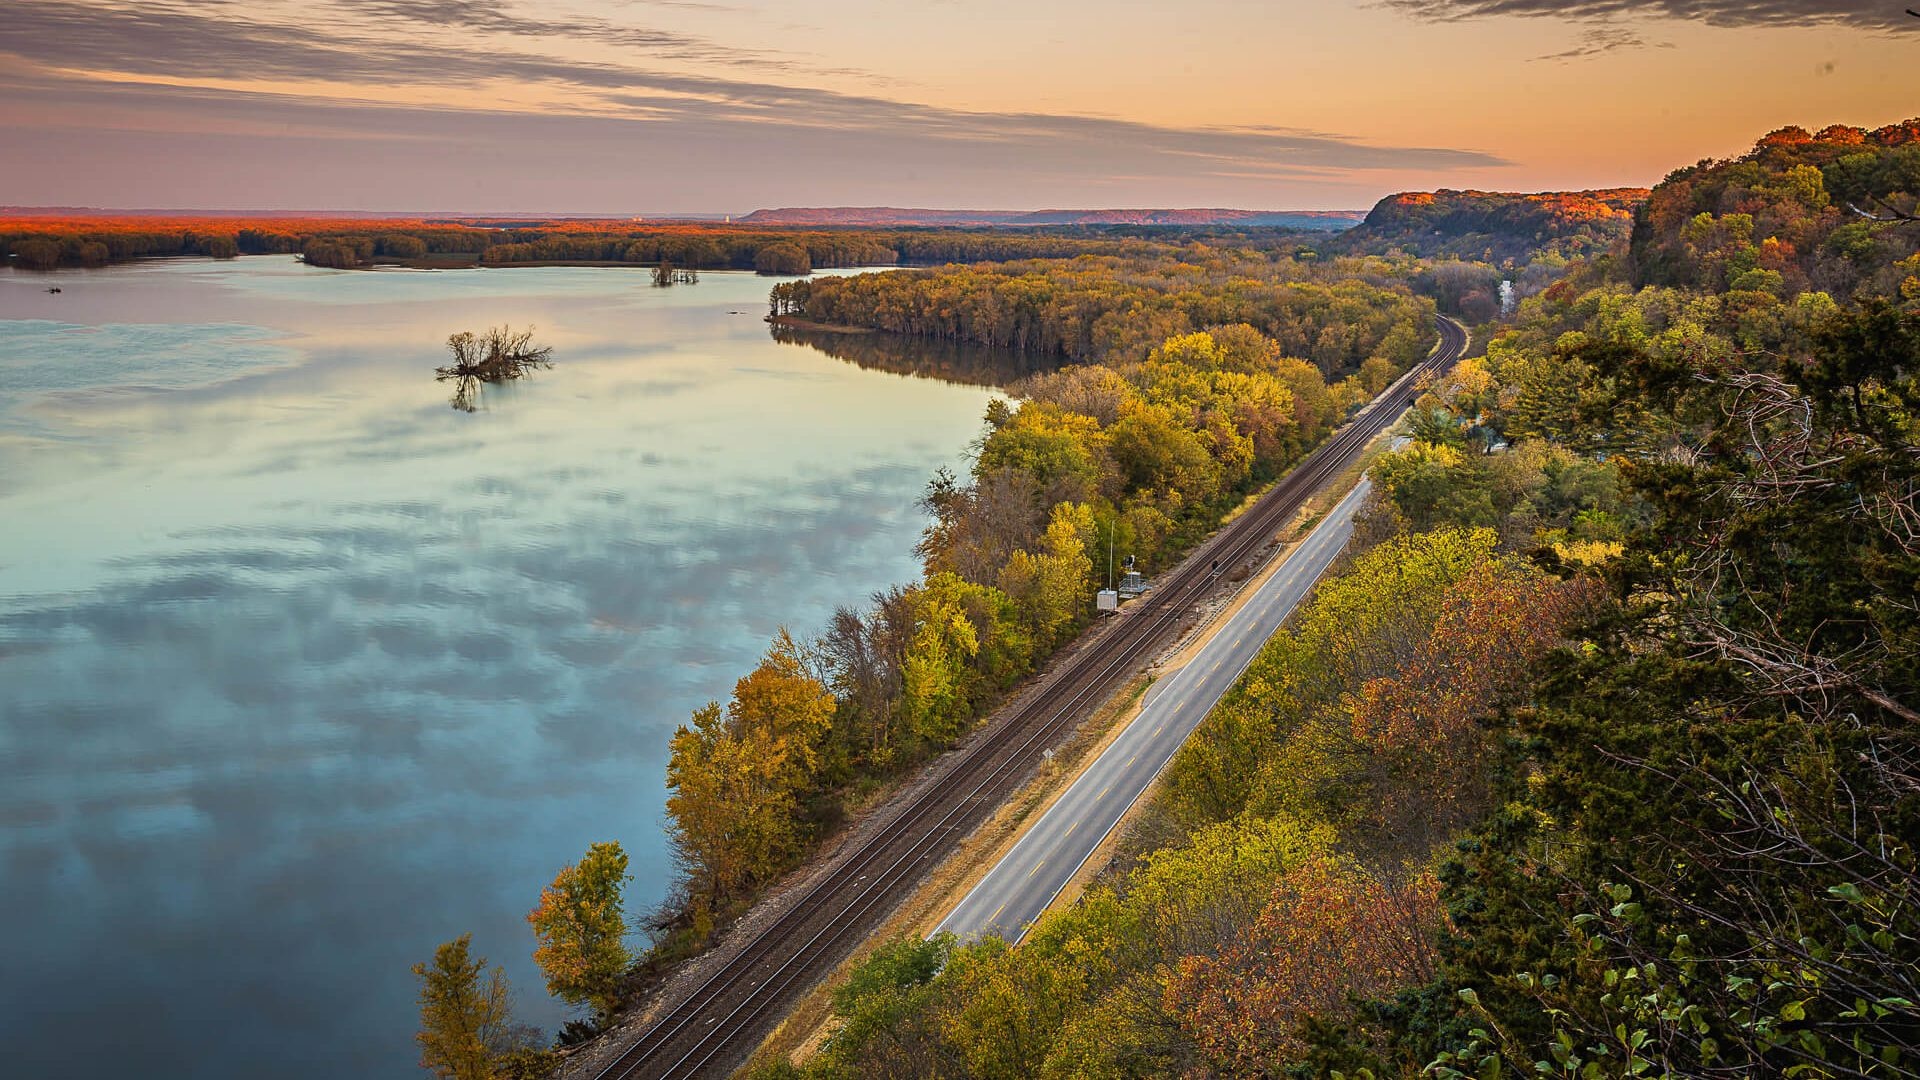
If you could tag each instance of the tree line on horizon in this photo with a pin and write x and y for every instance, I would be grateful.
(46, 243)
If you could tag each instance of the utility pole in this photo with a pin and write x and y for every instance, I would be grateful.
(1111, 524)
(1108, 599)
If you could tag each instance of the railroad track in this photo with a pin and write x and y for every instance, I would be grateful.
(729, 1013)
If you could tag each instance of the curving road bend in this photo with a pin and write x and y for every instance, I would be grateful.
(1030, 877)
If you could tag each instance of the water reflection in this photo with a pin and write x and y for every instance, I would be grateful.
(947, 361)
(499, 355)
(301, 674)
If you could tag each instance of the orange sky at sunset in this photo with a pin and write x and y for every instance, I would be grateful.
(625, 106)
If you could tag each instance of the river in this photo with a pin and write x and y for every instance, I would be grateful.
(303, 671)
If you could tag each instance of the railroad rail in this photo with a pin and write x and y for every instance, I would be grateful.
(729, 1013)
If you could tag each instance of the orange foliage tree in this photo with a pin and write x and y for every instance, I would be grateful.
(736, 777)
(1493, 625)
(1423, 725)
(1330, 932)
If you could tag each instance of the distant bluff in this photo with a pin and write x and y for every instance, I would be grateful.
(1498, 226)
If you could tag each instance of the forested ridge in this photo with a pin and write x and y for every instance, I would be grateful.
(1506, 228)
(1597, 756)
(1338, 313)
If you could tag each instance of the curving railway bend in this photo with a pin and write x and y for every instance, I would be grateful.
(715, 1026)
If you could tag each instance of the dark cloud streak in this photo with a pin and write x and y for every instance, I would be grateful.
(623, 116)
(491, 18)
(1601, 40)
(211, 39)
(170, 42)
(1866, 14)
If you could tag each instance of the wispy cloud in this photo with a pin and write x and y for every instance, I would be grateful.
(346, 40)
(479, 16)
(1870, 14)
(216, 69)
(1599, 40)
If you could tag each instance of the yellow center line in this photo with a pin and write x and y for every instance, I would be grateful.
(1070, 829)
(996, 912)
(1036, 869)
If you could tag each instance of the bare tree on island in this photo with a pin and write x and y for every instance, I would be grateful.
(498, 355)
(666, 274)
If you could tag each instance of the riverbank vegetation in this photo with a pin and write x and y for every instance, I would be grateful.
(1156, 386)
(1143, 457)
(1138, 449)
(1599, 755)
(467, 1030)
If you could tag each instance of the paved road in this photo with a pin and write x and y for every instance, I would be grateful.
(716, 1022)
(1016, 891)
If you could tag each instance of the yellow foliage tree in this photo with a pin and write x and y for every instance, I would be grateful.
(465, 1013)
(1051, 589)
(735, 776)
(582, 929)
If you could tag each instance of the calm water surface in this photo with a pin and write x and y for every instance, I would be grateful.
(303, 671)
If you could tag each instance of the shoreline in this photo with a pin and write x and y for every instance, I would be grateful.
(451, 261)
(795, 322)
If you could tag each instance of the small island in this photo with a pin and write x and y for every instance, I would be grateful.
(501, 354)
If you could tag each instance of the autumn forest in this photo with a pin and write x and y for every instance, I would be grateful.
(1596, 752)
(1596, 756)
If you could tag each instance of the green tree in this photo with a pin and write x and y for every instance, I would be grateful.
(582, 929)
(936, 676)
(1051, 589)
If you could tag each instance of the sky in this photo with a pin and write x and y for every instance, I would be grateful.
(688, 106)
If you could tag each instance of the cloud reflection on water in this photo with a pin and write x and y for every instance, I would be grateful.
(301, 672)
